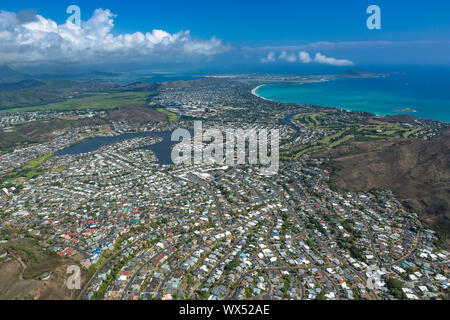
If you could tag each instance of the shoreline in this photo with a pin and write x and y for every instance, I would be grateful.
(402, 111)
(261, 97)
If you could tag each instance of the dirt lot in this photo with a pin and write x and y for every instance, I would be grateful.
(19, 274)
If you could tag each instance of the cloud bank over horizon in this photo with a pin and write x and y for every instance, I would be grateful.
(32, 41)
(29, 38)
(305, 57)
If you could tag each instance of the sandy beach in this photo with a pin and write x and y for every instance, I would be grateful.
(257, 95)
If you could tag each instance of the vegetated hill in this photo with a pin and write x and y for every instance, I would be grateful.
(405, 118)
(34, 94)
(142, 86)
(8, 74)
(24, 84)
(40, 131)
(137, 114)
(443, 135)
(10, 139)
(30, 93)
(417, 171)
(153, 86)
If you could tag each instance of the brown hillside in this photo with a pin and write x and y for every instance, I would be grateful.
(405, 118)
(417, 171)
(137, 114)
(38, 130)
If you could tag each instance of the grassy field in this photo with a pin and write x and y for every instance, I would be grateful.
(37, 162)
(344, 133)
(26, 174)
(310, 118)
(30, 170)
(172, 116)
(101, 101)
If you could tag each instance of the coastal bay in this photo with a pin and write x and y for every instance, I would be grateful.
(423, 97)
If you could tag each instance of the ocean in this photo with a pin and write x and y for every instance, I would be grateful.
(421, 93)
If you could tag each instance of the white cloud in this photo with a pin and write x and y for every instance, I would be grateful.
(320, 58)
(304, 57)
(289, 57)
(28, 39)
(269, 58)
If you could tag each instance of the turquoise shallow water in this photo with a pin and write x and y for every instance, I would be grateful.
(429, 95)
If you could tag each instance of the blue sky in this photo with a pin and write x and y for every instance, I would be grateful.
(412, 31)
(250, 22)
